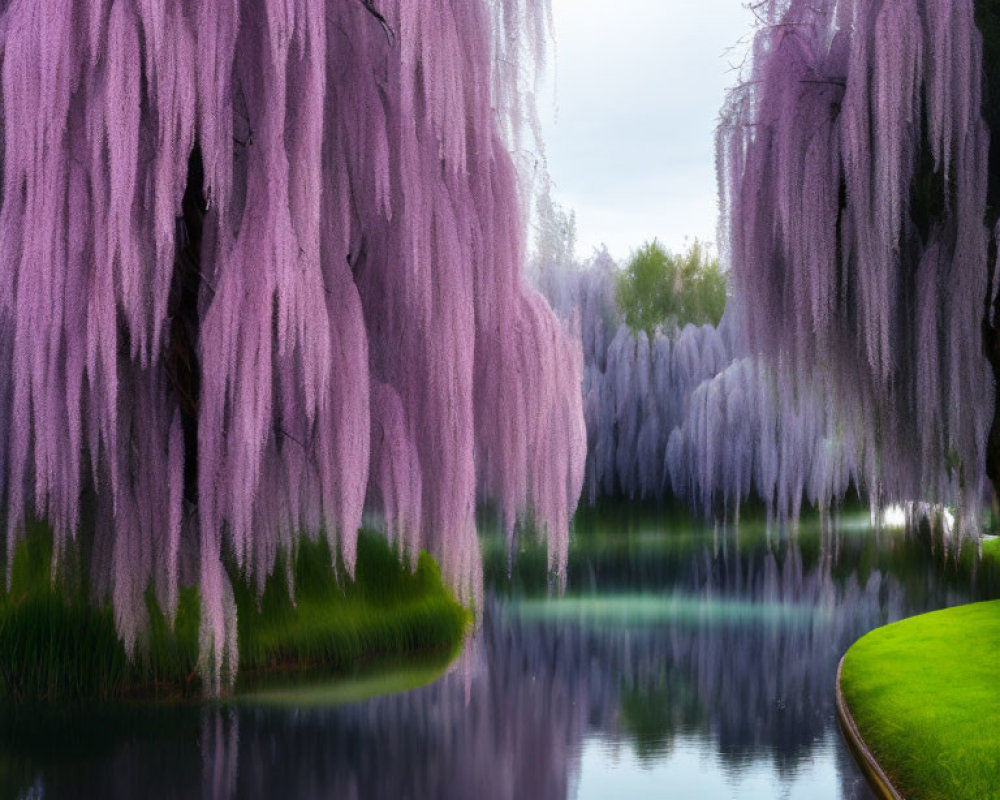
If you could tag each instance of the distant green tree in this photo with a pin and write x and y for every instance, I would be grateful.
(663, 289)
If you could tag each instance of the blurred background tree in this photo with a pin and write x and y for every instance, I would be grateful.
(659, 288)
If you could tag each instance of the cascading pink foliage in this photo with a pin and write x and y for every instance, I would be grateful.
(853, 174)
(363, 327)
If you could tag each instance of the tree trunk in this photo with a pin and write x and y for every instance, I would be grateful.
(181, 356)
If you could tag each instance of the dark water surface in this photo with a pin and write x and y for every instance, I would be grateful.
(680, 663)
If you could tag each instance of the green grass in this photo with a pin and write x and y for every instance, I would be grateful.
(925, 694)
(991, 549)
(385, 611)
(55, 644)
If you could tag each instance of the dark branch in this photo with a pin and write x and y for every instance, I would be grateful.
(390, 34)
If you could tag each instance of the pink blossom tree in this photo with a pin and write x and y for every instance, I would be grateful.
(261, 272)
(859, 185)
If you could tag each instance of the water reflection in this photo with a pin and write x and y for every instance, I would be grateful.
(692, 666)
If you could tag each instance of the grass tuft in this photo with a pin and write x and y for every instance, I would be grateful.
(334, 624)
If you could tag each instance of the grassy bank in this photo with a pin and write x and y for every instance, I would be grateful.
(991, 549)
(925, 695)
(56, 644)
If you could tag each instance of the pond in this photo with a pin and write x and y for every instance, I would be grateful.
(681, 661)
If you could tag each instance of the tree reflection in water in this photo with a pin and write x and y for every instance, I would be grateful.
(725, 651)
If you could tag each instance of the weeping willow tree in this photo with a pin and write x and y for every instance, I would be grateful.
(860, 187)
(261, 271)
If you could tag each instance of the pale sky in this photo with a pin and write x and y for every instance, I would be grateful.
(629, 113)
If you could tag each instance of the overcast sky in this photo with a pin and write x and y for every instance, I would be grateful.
(629, 114)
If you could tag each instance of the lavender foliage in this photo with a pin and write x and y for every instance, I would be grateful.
(363, 330)
(853, 173)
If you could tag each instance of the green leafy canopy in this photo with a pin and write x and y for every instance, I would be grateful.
(659, 288)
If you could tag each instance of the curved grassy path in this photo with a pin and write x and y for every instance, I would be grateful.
(925, 695)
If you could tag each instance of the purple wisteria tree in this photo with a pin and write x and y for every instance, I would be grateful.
(855, 173)
(261, 270)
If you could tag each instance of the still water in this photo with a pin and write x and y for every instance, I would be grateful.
(681, 662)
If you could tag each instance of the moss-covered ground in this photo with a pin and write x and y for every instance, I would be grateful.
(56, 644)
(925, 694)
